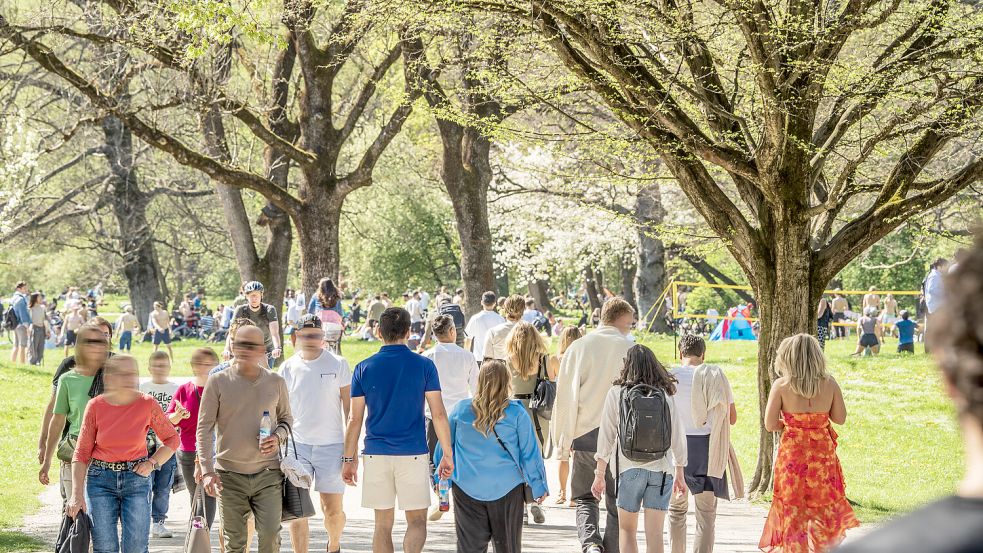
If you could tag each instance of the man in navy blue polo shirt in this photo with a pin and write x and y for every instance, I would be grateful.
(392, 387)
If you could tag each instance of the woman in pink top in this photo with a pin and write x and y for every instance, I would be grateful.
(111, 468)
(183, 413)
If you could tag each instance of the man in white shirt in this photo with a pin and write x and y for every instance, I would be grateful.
(588, 368)
(934, 290)
(424, 300)
(481, 322)
(416, 313)
(457, 372)
(705, 489)
(319, 387)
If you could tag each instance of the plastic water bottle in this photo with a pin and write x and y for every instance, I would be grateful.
(443, 491)
(265, 426)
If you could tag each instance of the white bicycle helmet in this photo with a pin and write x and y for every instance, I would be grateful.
(252, 286)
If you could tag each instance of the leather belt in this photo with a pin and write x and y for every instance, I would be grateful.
(118, 466)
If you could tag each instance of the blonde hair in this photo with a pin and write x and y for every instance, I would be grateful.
(525, 348)
(800, 359)
(614, 309)
(492, 396)
(567, 337)
(514, 307)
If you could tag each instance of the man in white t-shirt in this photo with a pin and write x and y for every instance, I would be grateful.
(705, 489)
(319, 387)
(457, 372)
(424, 300)
(416, 313)
(481, 322)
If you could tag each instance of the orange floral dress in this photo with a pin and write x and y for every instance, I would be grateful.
(809, 510)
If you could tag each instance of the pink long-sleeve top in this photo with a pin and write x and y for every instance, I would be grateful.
(117, 433)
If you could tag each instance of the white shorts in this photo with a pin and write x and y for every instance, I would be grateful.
(386, 478)
(324, 462)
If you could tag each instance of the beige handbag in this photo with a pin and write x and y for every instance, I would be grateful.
(198, 539)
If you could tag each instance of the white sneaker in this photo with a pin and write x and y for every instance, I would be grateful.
(158, 530)
(435, 513)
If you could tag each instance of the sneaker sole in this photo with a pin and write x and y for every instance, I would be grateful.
(537, 516)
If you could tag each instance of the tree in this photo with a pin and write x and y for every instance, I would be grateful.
(334, 149)
(802, 132)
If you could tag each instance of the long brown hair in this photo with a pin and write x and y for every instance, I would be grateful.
(492, 396)
(643, 367)
(525, 348)
(327, 293)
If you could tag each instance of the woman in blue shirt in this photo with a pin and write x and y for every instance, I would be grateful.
(495, 456)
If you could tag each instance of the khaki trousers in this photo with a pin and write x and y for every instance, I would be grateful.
(260, 494)
(706, 517)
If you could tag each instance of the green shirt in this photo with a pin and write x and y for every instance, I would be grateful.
(71, 398)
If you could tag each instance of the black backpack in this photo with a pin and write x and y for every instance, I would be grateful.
(455, 312)
(644, 423)
(10, 318)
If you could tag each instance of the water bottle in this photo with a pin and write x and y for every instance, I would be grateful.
(265, 426)
(443, 491)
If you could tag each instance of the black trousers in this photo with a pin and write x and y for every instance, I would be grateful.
(186, 462)
(588, 510)
(479, 522)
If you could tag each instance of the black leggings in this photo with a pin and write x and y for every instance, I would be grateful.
(186, 461)
(479, 522)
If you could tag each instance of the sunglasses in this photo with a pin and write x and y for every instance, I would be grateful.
(246, 345)
(92, 342)
(311, 336)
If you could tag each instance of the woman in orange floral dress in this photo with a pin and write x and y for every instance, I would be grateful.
(809, 510)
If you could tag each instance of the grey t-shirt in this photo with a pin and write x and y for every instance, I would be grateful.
(868, 324)
(261, 317)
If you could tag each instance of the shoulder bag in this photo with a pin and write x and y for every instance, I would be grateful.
(296, 500)
(526, 488)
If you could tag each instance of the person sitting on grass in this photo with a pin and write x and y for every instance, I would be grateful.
(953, 524)
(870, 331)
(905, 329)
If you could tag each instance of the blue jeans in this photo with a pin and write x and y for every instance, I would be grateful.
(125, 340)
(114, 497)
(160, 495)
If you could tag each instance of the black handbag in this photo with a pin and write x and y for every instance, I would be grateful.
(526, 488)
(296, 501)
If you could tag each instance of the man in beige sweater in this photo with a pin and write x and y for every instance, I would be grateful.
(589, 367)
(238, 468)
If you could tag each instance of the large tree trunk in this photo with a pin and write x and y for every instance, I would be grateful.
(539, 290)
(466, 173)
(650, 277)
(140, 263)
(271, 267)
(317, 233)
(590, 286)
(628, 271)
(786, 294)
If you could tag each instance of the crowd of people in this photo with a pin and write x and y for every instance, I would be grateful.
(472, 406)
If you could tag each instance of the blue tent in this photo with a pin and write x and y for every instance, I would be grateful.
(737, 329)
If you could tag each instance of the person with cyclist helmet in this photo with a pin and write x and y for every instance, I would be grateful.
(262, 315)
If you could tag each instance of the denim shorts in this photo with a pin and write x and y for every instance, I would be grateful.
(640, 487)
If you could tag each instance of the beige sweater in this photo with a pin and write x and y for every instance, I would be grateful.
(228, 420)
(589, 367)
(710, 403)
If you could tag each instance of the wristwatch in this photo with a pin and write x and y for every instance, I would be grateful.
(347, 459)
(153, 462)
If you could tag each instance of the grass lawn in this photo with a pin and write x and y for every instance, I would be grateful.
(899, 448)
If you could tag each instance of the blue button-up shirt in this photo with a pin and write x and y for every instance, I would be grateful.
(485, 471)
(19, 303)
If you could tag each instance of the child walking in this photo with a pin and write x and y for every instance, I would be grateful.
(163, 390)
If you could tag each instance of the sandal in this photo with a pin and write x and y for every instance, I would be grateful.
(562, 499)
